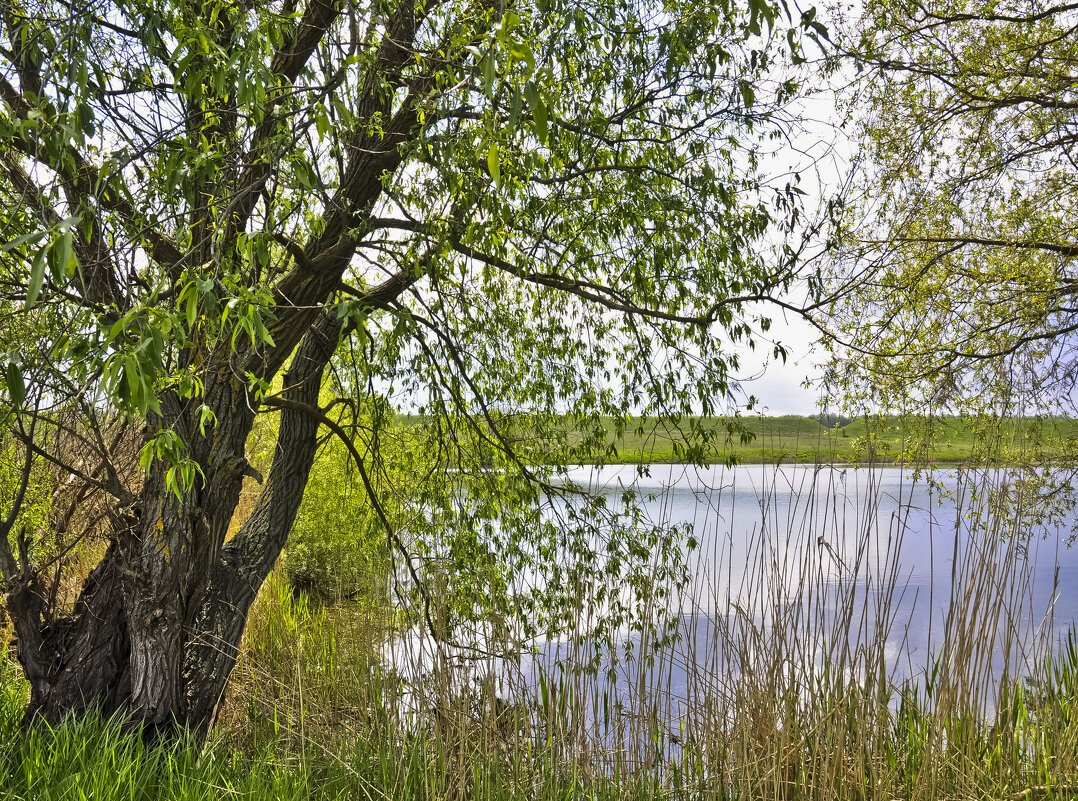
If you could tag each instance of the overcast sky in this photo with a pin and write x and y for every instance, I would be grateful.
(779, 388)
(820, 154)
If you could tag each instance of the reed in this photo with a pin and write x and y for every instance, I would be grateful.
(780, 686)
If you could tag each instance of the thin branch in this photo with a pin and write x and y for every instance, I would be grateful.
(305, 408)
(1051, 247)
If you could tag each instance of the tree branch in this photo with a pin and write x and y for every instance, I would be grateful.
(86, 180)
(317, 414)
(1050, 247)
(286, 66)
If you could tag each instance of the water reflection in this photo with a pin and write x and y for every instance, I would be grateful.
(809, 569)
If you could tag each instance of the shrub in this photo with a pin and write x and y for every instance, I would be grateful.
(337, 546)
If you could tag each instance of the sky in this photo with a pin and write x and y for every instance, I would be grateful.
(779, 388)
(820, 154)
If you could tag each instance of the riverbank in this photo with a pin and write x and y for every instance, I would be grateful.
(786, 694)
(781, 740)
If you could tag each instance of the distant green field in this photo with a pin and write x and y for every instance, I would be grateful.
(792, 438)
(889, 440)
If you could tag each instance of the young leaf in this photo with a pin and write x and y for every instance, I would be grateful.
(538, 110)
(493, 165)
(37, 275)
(15, 386)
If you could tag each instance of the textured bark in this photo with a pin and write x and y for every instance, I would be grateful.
(177, 544)
(217, 623)
(156, 630)
(81, 660)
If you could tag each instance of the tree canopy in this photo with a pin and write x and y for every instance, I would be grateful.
(959, 257)
(484, 213)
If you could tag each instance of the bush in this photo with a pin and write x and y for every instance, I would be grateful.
(336, 549)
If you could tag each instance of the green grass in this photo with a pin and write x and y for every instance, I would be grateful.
(775, 440)
(783, 707)
(831, 739)
(800, 439)
(95, 758)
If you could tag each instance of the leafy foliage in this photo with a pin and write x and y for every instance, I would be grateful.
(960, 255)
(477, 212)
(337, 546)
(32, 513)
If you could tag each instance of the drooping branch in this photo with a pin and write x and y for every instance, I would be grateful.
(286, 66)
(590, 291)
(391, 532)
(84, 179)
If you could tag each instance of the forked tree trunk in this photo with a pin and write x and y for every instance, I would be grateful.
(156, 629)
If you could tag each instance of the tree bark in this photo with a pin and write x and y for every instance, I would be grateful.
(217, 623)
(156, 630)
(81, 660)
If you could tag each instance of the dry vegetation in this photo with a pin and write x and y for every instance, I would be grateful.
(788, 692)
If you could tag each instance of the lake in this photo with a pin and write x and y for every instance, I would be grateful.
(801, 570)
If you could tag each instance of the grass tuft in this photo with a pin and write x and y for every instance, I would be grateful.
(788, 694)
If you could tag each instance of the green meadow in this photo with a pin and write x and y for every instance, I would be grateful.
(876, 439)
(871, 439)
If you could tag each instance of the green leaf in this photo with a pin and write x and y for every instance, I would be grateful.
(487, 70)
(146, 454)
(510, 21)
(206, 415)
(15, 386)
(306, 175)
(134, 381)
(516, 103)
(322, 123)
(263, 333)
(173, 483)
(191, 309)
(748, 94)
(157, 348)
(37, 276)
(538, 110)
(19, 241)
(64, 264)
(493, 165)
(522, 52)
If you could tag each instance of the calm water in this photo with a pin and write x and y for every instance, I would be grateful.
(806, 554)
(827, 564)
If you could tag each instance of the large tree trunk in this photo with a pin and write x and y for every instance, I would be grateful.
(156, 630)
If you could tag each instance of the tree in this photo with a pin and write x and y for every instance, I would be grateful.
(502, 211)
(958, 266)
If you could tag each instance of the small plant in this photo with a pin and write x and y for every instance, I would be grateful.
(338, 548)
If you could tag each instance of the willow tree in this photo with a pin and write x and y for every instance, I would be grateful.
(489, 207)
(960, 276)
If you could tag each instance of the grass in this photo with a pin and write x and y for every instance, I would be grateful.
(813, 440)
(888, 440)
(782, 700)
